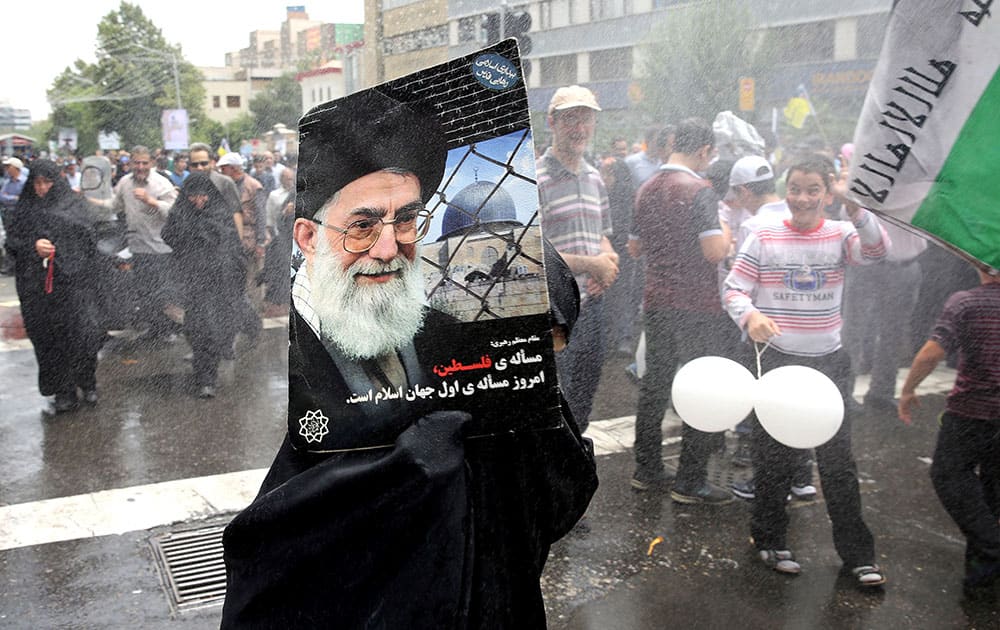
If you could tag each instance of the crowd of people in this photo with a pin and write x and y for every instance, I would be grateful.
(677, 252)
(681, 253)
(206, 239)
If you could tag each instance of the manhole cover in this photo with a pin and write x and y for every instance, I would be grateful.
(191, 565)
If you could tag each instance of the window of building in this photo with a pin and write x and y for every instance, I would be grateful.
(544, 15)
(808, 42)
(216, 102)
(559, 13)
(233, 101)
(431, 37)
(604, 9)
(610, 65)
(468, 27)
(871, 31)
(558, 70)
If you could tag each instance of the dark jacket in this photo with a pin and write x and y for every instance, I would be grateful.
(444, 527)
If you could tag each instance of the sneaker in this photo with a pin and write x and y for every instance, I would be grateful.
(748, 490)
(804, 493)
(659, 480)
(206, 392)
(632, 372)
(781, 560)
(90, 396)
(707, 493)
(744, 489)
(868, 575)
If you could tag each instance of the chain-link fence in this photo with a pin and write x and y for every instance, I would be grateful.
(483, 256)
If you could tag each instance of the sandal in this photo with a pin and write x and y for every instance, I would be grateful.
(781, 560)
(868, 575)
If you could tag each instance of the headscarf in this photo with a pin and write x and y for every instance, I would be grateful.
(194, 231)
(60, 187)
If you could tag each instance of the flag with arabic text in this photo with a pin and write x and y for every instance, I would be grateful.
(928, 140)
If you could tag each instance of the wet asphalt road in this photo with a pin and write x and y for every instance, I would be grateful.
(149, 428)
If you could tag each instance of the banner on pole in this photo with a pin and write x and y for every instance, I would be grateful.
(175, 129)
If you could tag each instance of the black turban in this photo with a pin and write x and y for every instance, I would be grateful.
(359, 134)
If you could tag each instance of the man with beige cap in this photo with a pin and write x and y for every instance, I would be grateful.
(576, 219)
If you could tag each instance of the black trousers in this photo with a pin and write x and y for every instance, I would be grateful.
(208, 321)
(674, 337)
(775, 466)
(972, 501)
(64, 333)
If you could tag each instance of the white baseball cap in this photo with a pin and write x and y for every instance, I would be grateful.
(747, 170)
(231, 159)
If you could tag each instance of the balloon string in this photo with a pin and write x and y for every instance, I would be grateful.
(760, 351)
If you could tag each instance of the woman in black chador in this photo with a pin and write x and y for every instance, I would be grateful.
(49, 233)
(207, 252)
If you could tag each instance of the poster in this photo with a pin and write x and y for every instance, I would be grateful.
(446, 157)
(108, 140)
(67, 141)
(175, 129)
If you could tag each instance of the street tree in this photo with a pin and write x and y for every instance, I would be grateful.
(279, 102)
(136, 75)
(692, 60)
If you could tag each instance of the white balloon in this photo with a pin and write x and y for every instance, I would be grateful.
(713, 393)
(799, 406)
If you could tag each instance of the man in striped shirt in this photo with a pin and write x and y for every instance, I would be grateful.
(786, 288)
(970, 427)
(575, 218)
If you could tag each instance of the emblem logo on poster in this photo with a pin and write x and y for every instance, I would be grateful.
(495, 72)
(313, 426)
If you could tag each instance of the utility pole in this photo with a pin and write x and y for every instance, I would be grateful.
(177, 80)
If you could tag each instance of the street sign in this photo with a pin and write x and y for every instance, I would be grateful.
(746, 94)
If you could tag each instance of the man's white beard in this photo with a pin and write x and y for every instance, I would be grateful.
(366, 321)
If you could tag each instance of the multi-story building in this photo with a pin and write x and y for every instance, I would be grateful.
(264, 51)
(329, 52)
(299, 42)
(228, 90)
(831, 48)
(322, 84)
(14, 119)
(403, 36)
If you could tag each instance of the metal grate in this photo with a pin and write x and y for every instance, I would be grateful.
(191, 566)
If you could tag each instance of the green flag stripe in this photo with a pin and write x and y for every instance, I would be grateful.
(963, 205)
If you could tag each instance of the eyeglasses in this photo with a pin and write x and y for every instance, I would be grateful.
(361, 235)
(199, 164)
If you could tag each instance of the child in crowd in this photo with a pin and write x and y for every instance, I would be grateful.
(786, 288)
